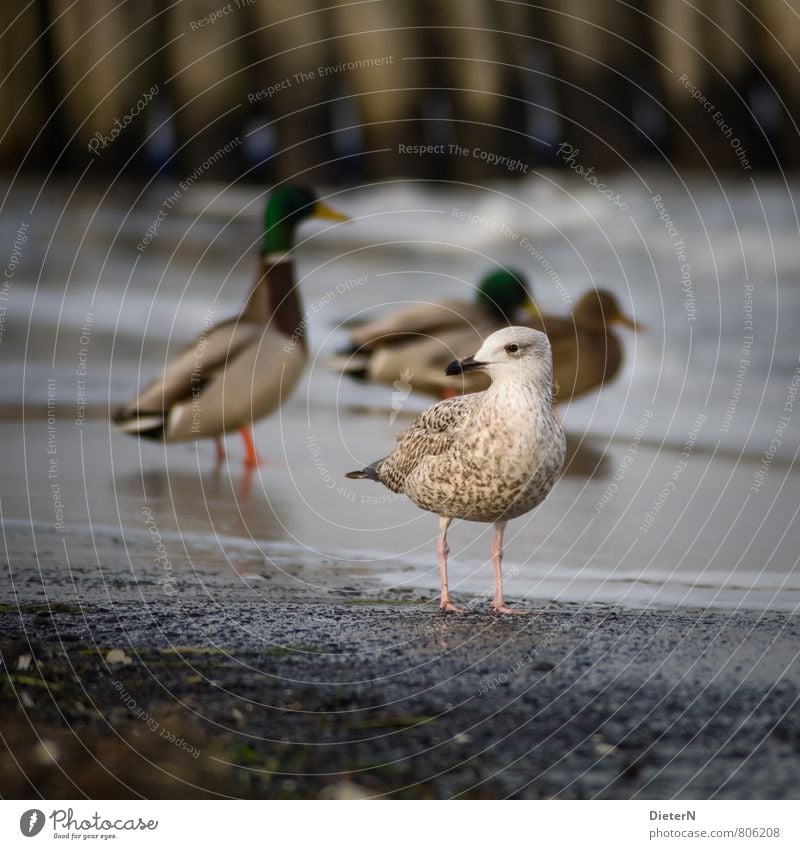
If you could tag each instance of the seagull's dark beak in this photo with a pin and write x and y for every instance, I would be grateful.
(463, 365)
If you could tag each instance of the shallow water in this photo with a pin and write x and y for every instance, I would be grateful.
(681, 487)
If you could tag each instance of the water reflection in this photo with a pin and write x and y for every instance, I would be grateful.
(223, 500)
(675, 519)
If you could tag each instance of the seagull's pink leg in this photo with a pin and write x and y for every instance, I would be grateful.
(443, 548)
(497, 604)
(220, 450)
(251, 459)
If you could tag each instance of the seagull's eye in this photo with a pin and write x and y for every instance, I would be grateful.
(512, 348)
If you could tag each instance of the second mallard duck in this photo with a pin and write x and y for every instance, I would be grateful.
(426, 336)
(587, 353)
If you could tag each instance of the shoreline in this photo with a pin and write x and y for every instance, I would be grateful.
(287, 692)
(229, 521)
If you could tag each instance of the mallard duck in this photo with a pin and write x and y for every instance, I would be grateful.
(242, 369)
(418, 364)
(498, 299)
(586, 353)
(414, 338)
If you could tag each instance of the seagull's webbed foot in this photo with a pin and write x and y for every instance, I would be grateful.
(447, 606)
(500, 607)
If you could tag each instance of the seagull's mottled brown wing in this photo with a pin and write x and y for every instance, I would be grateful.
(433, 433)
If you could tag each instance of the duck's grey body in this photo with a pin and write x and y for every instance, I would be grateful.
(233, 374)
(415, 343)
(413, 322)
(587, 353)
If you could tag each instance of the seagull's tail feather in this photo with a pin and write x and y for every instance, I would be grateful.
(371, 472)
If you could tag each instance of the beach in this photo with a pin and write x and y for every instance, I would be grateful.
(171, 628)
(357, 691)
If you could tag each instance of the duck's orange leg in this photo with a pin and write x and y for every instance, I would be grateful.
(251, 458)
(220, 450)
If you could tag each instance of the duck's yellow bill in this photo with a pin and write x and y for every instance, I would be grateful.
(530, 307)
(629, 323)
(323, 211)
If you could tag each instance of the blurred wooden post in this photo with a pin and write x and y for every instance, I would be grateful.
(98, 46)
(466, 39)
(207, 79)
(593, 65)
(289, 96)
(20, 121)
(690, 46)
(529, 112)
(779, 54)
(387, 94)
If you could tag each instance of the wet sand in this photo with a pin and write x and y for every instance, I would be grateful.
(263, 685)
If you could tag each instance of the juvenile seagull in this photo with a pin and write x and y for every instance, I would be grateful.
(486, 457)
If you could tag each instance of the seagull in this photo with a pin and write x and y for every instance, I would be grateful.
(489, 456)
(242, 369)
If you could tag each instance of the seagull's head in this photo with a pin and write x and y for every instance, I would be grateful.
(518, 354)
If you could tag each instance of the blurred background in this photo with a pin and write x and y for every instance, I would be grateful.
(326, 89)
(645, 147)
